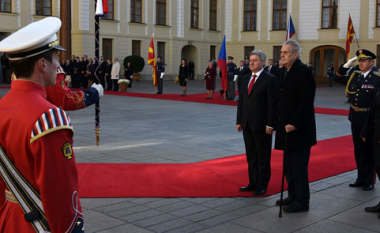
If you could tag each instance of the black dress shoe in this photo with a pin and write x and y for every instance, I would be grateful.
(247, 189)
(259, 192)
(356, 184)
(286, 201)
(378, 216)
(294, 208)
(367, 187)
(373, 209)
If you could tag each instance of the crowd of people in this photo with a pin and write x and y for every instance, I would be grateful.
(83, 72)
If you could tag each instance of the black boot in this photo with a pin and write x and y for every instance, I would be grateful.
(373, 209)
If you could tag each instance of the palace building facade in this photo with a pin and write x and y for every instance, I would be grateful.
(194, 29)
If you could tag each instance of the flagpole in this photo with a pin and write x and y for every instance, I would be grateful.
(356, 38)
(97, 108)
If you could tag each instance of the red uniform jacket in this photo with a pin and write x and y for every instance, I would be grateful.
(37, 137)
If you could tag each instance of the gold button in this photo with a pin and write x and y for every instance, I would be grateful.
(356, 104)
(367, 90)
(357, 94)
(356, 99)
(358, 90)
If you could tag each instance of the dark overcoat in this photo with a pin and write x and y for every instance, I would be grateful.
(295, 106)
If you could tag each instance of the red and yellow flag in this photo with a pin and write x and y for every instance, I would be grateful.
(152, 61)
(350, 35)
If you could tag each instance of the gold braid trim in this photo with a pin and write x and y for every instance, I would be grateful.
(77, 98)
(348, 84)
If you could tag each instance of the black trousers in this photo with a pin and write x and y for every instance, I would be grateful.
(230, 90)
(258, 151)
(115, 84)
(160, 85)
(363, 155)
(296, 173)
(84, 80)
(76, 80)
(109, 82)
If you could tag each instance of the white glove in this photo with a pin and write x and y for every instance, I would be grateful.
(235, 77)
(99, 88)
(350, 62)
(131, 76)
(162, 75)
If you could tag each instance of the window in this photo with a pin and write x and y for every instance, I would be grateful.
(250, 9)
(5, 6)
(107, 49)
(161, 12)
(212, 51)
(161, 50)
(109, 15)
(213, 15)
(136, 47)
(195, 14)
(279, 14)
(248, 50)
(276, 54)
(136, 7)
(329, 13)
(43, 7)
(378, 13)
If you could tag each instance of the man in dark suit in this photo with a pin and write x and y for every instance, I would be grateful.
(160, 74)
(371, 129)
(108, 74)
(83, 68)
(101, 71)
(256, 117)
(271, 68)
(295, 131)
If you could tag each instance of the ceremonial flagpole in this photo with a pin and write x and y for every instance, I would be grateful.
(97, 106)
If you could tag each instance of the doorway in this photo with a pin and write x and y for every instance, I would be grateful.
(190, 53)
(322, 57)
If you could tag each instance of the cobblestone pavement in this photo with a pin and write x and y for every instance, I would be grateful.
(140, 130)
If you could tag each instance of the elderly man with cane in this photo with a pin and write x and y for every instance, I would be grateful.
(296, 130)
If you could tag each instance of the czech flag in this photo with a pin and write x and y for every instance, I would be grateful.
(350, 36)
(222, 64)
(101, 7)
(290, 31)
(152, 61)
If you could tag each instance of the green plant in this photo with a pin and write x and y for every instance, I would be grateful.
(137, 63)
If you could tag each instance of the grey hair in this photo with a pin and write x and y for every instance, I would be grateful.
(260, 53)
(296, 47)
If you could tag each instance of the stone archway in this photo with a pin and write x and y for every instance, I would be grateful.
(324, 55)
(190, 53)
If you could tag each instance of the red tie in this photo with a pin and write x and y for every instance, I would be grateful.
(251, 84)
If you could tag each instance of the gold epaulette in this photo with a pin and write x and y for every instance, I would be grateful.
(377, 73)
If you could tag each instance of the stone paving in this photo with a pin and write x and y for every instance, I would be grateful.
(140, 130)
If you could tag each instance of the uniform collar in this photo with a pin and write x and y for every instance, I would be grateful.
(366, 73)
(26, 85)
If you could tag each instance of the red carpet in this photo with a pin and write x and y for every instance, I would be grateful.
(201, 98)
(214, 178)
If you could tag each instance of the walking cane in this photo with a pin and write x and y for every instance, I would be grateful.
(283, 175)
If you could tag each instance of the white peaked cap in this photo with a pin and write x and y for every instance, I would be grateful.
(33, 39)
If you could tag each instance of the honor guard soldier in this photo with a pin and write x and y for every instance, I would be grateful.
(39, 182)
(231, 72)
(160, 74)
(61, 96)
(360, 88)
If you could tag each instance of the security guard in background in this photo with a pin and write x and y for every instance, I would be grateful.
(231, 72)
(360, 89)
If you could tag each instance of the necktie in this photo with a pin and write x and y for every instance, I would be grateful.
(251, 83)
(269, 68)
